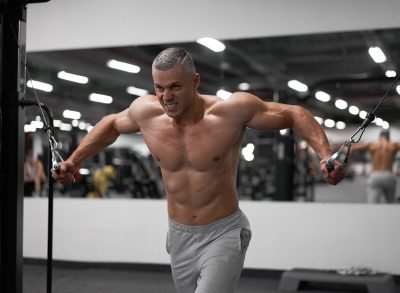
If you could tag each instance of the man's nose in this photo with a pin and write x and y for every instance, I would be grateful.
(167, 95)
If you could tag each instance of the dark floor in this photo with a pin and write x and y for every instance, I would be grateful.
(99, 280)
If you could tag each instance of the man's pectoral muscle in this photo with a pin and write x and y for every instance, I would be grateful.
(198, 165)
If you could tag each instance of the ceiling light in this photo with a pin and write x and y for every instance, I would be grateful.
(398, 89)
(82, 125)
(322, 96)
(250, 147)
(340, 125)
(57, 123)
(385, 125)
(223, 94)
(329, 123)
(65, 127)
(363, 114)
(284, 131)
(297, 85)
(249, 157)
(29, 128)
(341, 104)
(319, 120)
(73, 77)
(354, 110)
(390, 73)
(244, 86)
(39, 85)
(212, 44)
(379, 121)
(377, 54)
(84, 171)
(303, 145)
(71, 115)
(98, 98)
(37, 124)
(247, 152)
(136, 91)
(123, 66)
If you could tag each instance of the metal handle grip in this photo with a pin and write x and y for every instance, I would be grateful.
(330, 165)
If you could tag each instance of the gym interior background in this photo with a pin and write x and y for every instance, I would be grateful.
(297, 220)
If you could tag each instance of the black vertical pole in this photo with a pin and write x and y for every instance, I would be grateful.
(285, 168)
(12, 34)
(50, 230)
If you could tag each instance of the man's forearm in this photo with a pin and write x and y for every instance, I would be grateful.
(102, 135)
(305, 125)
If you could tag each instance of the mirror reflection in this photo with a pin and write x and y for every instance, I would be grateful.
(339, 77)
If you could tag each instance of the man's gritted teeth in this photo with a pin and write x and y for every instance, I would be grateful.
(170, 105)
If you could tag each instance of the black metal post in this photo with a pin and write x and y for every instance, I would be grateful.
(50, 229)
(12, 34)
(285, 168)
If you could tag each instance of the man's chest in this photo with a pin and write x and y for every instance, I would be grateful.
(200, 147)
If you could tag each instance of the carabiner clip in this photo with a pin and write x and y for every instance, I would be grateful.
(55, 155)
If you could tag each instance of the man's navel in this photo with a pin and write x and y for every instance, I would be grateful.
(216, 158)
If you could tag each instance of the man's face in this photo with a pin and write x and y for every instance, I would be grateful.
(175, 89)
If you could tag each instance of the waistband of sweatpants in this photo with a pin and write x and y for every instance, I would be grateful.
(229, 220)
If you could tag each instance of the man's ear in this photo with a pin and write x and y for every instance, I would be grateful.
(196, 81)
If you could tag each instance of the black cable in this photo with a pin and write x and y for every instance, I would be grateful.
(385, 95)
(343, 157)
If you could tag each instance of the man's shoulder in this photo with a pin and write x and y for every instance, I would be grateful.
(236, 101)
(145, 103)
(236, 109)
(145, 107)
(146, 100)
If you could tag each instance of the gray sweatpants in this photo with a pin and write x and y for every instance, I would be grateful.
(208, 258)
(381, 187)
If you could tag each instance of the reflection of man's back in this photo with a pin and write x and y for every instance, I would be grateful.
(383, 155)
(381, 185)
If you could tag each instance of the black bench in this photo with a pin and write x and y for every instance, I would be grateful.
(377, 283)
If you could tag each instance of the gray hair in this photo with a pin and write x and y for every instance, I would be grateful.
(169, 57)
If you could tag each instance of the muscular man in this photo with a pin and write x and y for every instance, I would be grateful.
(196, 139)
(382, 182)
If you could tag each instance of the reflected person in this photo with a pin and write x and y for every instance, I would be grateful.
(381, 185)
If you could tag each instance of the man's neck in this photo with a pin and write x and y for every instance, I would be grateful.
(193, 114)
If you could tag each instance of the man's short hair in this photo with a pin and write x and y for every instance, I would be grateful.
(169, 57)
(385, 133)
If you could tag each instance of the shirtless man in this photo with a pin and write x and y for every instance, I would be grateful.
(196, 139)
(382, 182)
(34, 176)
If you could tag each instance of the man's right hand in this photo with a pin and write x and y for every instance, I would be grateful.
(66, 174)
(333, 176)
